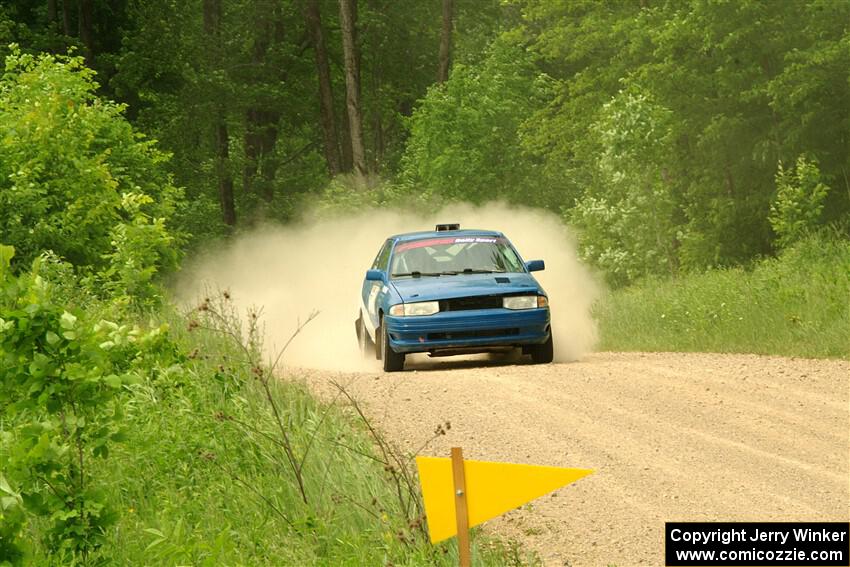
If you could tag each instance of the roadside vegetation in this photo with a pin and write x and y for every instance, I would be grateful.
(131, 433)
(797, 304)
(159, 438)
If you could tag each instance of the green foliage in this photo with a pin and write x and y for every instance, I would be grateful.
(795, 305)
(465, 136)
(626, 220)
(797, 206)
(530, 114)
(212, 485)
(67, 158)
(657, 177)
(62, 377)
(123, 446)
(346, 194)
(12, 522)
(744, 85)
(139, 247)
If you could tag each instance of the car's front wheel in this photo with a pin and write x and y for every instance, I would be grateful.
(392, 361)
(543, 354)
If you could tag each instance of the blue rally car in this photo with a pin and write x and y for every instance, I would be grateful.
(452, 291)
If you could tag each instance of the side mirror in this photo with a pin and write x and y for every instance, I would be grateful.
(535, 265)
(374, 276)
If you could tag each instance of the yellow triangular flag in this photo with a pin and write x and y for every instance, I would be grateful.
(491, 490)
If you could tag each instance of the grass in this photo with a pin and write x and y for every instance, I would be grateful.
(202, 478)
(797, 304)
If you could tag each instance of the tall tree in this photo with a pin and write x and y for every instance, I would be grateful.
(51, 11)
(67, 7)
(446, 41)
(262, 115)
(212, 29)
(348, 19)
(84, 21)
(326, 102)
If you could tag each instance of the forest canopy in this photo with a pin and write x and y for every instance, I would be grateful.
(672, 135)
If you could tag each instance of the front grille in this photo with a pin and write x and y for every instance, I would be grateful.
(467, 303)
(472, 334)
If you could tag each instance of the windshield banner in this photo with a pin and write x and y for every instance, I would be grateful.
(454, 240)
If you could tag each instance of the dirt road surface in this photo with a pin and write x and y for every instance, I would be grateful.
(672, 437)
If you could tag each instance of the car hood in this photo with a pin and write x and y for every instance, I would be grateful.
(429, 288)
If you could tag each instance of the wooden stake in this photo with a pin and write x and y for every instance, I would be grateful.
(461, 508)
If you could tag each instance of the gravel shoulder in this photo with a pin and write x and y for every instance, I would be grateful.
(672, 437)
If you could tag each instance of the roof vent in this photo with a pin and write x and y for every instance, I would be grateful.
(453, 226)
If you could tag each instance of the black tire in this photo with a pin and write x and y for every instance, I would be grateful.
(543, 354)
(364, 342)
(392, 361)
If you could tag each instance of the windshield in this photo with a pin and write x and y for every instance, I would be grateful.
(453, 256)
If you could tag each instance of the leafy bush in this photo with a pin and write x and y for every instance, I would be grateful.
(799, 200)
(62, 376)
(139, 247)
(626, 217)
(67, 160)
(465, 137)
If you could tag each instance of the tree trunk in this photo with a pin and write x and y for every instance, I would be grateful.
(67, 10)
(51, 12)
(446, 41)
(378, 132)
(84, 21)
(260, 139)
(348, 19)
(225, 179)
(326, 101)
(212, 28)
(377, 120)
(345, 147)
(261, 118)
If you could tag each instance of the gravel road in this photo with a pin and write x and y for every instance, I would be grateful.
(672, 437)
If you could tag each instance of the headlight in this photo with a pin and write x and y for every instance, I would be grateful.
(524, 302)
(413, 309)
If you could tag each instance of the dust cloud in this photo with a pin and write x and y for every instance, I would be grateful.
(320, 264)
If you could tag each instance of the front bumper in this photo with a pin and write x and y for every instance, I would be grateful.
(468, 329)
